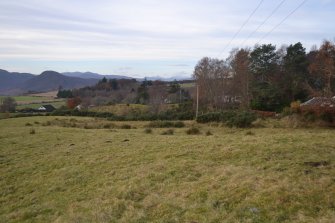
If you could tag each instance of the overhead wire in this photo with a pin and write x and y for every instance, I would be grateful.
(282, 21)
(264, 21)
(242, 26)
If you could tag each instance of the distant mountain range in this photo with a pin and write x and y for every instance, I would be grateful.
(13, 83)
(178, 78)
(19, 83)
(90, 75)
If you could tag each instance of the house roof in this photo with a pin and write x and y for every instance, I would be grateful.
(320, 101)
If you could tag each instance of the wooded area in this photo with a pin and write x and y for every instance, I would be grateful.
(266, 78)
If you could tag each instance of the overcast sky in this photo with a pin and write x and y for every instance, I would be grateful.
(147, 37)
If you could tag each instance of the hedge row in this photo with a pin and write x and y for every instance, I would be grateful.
(132, 117)
(166, 124)
(239, 119)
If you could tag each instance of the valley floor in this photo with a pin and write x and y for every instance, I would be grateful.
(58, 169)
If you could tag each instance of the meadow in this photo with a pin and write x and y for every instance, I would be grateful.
(36, 100)
(70, 169)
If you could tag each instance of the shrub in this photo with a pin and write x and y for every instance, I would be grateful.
(327, 117)
(86, 126)
(309, 116)
(193, 131)
(210, 117)
(286, 112)
(242, 120)
(179, 124)
(36, 122)
(166, 124)
(168, 132)
(48, 123)
(125, 126)
(108, 126)
(28, 124)
(250, 133)
(167, 115)
(148, 131)
(209, 133)
(32, 131)
(231, 118)
(295, 106)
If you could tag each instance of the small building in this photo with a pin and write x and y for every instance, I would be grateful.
(78, 107)
(319, 105)
(46, 108)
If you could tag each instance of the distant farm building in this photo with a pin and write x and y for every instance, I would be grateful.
(319, 105)
(46, 108)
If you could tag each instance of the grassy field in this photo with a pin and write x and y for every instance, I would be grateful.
(35, 105)
(52, 94)
(57, 169)
(36, 101)
(21, 99)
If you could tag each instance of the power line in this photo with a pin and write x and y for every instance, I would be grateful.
(267, 18)
(281, 22)
(240, 29)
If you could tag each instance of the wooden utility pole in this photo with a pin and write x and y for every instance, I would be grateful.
(197, 109)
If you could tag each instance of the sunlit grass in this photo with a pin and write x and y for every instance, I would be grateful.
(65, 173)
(56, 104)
(28, 98)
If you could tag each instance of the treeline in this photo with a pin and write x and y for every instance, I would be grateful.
(7, 104)
(266, 78)
(128, 91)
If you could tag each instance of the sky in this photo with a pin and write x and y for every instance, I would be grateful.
(144, 38)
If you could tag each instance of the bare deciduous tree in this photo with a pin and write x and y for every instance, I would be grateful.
(241, 80)
(212, 77)
(324, 66)
(7, 104)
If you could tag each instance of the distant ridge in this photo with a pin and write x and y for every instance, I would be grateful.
(90, 75)
(14, 83)
(178, 78)
(51, 80)
(10, 83)
(19, 83)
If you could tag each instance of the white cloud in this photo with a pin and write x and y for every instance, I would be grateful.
(150, 30)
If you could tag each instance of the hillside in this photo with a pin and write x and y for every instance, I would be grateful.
(19, 83)
(12, 82)
(51, 80)
(90, 75)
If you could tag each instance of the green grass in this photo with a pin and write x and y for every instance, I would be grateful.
(36, 101)
(28, 98)
(56, 104)
(68, 173)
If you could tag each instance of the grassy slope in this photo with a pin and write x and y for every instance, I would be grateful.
(88, 175)
(35, 105)
(28, 98)
(36, 101)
